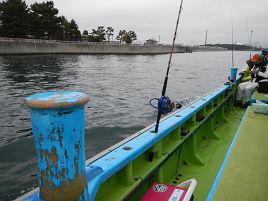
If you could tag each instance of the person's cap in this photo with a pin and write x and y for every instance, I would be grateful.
(257, 58)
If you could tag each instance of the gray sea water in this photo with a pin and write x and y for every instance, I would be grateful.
(119, 88)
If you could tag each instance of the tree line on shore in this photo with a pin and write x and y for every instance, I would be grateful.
(41, 21)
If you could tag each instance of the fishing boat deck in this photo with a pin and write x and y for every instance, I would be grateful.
(259, 96)
(245, 176)
(213, 156)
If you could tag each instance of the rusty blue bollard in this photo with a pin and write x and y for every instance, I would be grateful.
(58, 121)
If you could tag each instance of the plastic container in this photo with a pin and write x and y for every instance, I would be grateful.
(165, 192)
(233, 74)
(260, 107)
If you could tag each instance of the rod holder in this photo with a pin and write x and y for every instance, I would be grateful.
(233, 73)
(58, 122)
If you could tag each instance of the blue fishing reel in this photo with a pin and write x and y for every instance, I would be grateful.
(164, 106)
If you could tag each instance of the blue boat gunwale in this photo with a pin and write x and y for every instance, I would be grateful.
(113, 147)
(167, 125)
(108, 150)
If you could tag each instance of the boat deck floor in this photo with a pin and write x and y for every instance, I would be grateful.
(245, 176)
(259, 96)
(212, 153)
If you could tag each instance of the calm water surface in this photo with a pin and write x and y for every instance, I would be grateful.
(119, 88)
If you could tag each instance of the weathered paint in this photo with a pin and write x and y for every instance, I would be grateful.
(56, 100)
(58, 121)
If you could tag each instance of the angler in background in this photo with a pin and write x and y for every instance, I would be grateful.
(258, 72)
(247, 71)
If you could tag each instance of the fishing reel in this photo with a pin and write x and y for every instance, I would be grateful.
(164, 105)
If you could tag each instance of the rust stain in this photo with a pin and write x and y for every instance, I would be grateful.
(54, 157)
(53, 104)
(71, 190)
(50, 157)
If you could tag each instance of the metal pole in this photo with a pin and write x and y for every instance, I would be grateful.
(58, 121)
(206, 37)
(250, 41)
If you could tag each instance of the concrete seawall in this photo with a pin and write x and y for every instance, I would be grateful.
(25, 46)
(204, 48)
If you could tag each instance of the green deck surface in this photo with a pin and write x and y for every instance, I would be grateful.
(246, 174)
(259, 96)
(213, 156)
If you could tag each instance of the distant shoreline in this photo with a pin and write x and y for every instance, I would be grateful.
(16, 46)
(10, 46)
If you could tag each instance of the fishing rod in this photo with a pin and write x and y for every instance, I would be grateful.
(250, 44)
(164, 103)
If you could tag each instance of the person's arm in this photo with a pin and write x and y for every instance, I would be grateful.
(254, 71)
(246, 71)
(247, 75)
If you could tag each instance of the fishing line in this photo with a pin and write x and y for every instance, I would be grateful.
(249, 36)
(164, 102)
(232, 47)
(250, 44)
(232, 38)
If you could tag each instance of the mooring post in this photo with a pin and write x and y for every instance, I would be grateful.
(58, 122)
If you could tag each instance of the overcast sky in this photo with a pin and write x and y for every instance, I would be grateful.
(156, 18)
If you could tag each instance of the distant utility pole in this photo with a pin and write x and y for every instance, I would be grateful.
(250, 40)
(159, 39)
(206, 37)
